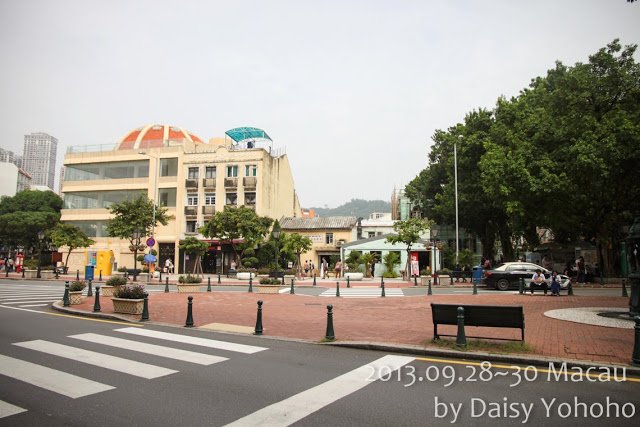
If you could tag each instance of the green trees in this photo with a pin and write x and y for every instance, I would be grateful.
(241, 227)
(192, 245)
(408, 232)
(297, 243)
(561, 155)
(27, 213)
(133, 221)
(71, 237)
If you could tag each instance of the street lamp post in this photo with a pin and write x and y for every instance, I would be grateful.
(433, 233)
(276, 236)
(40, 241)
(136, 238)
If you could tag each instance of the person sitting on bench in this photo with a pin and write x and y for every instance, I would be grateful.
(539, 280)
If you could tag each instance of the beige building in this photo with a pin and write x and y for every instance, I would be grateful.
(192, 178)
(327, 235)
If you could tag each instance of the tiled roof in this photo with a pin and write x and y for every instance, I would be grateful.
(317, 223)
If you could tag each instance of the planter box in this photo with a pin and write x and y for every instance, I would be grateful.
(127, 306)
(268, 289)
(245, 275)
(46, 274)
(30, 274)
(118, 273)
(75, 297)
(189, 288)
(353, 276)
(288, 278)
(107, 291)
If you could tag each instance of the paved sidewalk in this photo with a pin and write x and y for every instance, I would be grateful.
(394, 321)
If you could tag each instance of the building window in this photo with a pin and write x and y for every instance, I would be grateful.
(250, 170)
(210, 172)
(169, 167)
(328, 238)
(232, 199)
(371, 234)
(232, 171)
(167, 197)
(193, 173)
(192, 200)
(250, 198)
(192, 227)
(209, 199)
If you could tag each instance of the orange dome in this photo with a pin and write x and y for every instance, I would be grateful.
(151, 136)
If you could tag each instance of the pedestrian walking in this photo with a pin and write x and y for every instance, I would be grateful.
(338, 269)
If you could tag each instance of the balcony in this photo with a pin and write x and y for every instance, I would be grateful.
(231, 182)
(209, 183)
(191, 184)
(208, 211)
(249, 181)
(191, 211)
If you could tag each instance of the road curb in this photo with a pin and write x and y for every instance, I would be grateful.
(96, 315)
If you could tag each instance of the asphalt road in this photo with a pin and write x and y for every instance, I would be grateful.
(60, 370)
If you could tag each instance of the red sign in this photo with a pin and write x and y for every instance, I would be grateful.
(151, 241)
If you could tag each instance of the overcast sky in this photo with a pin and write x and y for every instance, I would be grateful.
(353, 89)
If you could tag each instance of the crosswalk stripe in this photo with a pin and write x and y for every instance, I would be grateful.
(296, 407)
(363, 293)
(50, 379)
(25, 301)
(7, 409)
(106, 361)
(156, 350)
(33, 305)
(31, 294)
(203, 342)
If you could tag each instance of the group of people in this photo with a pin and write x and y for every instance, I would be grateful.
(540, 281)
(8, 264)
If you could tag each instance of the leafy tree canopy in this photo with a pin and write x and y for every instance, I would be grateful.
(27, 213)
(71, 237)
(135, 215)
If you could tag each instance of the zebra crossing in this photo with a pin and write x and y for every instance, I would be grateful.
(74, 387)
(29, 296)
(361, 292)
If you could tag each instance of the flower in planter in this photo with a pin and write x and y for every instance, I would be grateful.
(77, 285)
(116, 281)
(129, 292)
(189, 279)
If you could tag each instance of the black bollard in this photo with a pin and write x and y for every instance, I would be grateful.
(96, 304)
(475, 288)
(100, 278)
(450, 280)
(383, 295)
(635, 358)
(55, 271)
(314, 280)
(624, 288)
(570, 291)
(283, 284)
(90, 290)
(348, 282)
(415, 280)
(160, 277)
(461, 339)
(520, 286)
(258, 330)
(337, 289)
(38, 273)
(209, 283)
(6, 271)
(189, 322)
(166, 284)
(292, 291)
(429, 292)
(250, 284)
(381, 281)
(329, 334)
(435, 280)
(78, 275)
(219, 278)
(145, 308)
(65, 298)
(22, 269)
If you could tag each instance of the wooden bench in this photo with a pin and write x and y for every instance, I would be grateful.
(496, 316)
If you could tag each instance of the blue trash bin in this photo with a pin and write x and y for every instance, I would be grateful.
(88, 272)
(476, 275)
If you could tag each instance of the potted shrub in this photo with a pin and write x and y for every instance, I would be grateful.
(189, 283)
(47, 272)
(269, 285)
(75, 291)
(128, 299)
(30, 268)
(109, 287)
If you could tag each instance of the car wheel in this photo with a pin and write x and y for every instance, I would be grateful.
(503, 285)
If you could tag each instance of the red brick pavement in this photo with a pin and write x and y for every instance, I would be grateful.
(404, 320)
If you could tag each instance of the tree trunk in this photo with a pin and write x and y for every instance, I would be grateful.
(66, 261)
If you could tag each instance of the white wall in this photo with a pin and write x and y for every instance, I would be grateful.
(9, 181)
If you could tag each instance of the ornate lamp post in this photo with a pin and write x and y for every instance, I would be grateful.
(40, 242)
(276, 236)
(633, 255)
